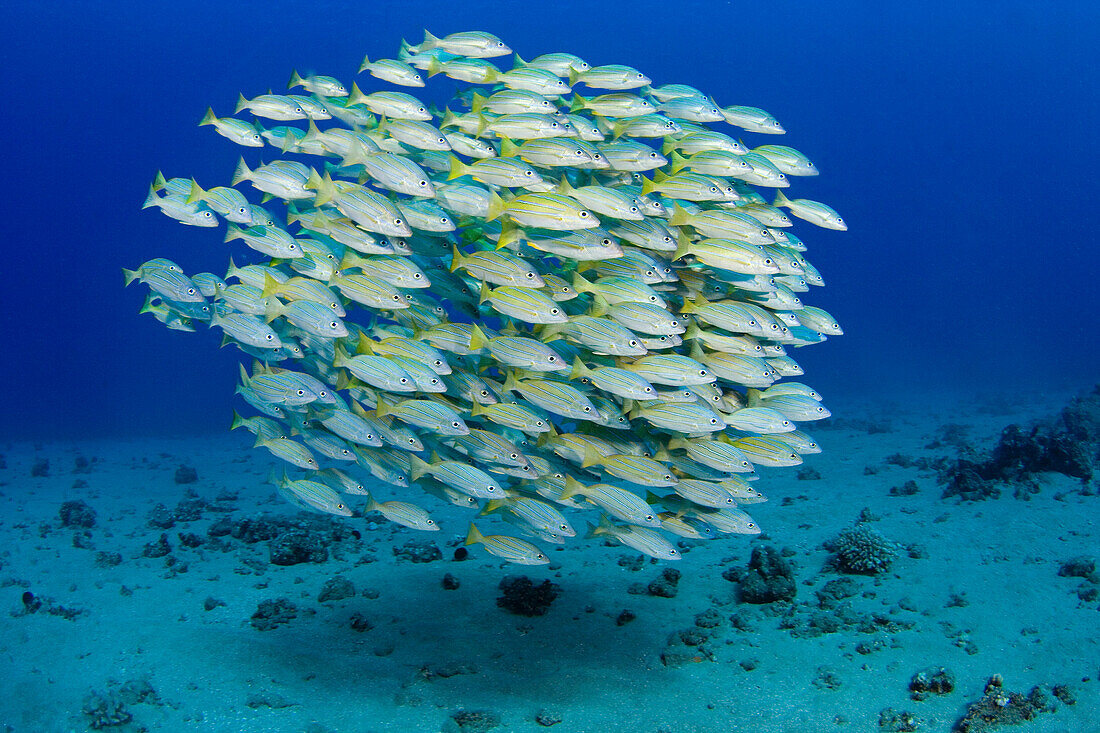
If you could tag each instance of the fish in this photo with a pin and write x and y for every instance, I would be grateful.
(555, 291)
(512, 549)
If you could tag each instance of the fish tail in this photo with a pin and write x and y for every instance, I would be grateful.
(780, 199)
(242, 173)
(429, 42)
(196, 194)
(295, 79)
(456, 259)
(209, 118)
(242, 103)
(129, 276)
(356, 96)
(457, 170)
(152, 199)
(474, 537)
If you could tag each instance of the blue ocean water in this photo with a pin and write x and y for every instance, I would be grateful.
(955, 140)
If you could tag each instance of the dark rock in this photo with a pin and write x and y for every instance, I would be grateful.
(190, 539)
(709, 619)
(430, 673)
(836, 590)
(211, 603)
(827, 679)
(258, 530)
(461, 553)
(107, 559)
(137, 691)
(999, 707)
(268, 700)
(82, 465)
(907, 489)
(768, 578)
(547, 718)
(190, 508)
(1082, 566)
(83, 540)
(632, 562)
(933, 680)
(186, 475)
(475, 721)
(221, 528)
(898, 721)
(297, 546)
(450, 582)
(41, 468)
(31, 602)
(665, 586)
(524, 598)
(160, 518)
(418, 551)
(965, 481)
(360, 623)
(625, 617)
(77, 514)
(688, 646)
(861, 550)
(336, 589)
(160, 548)
(105, 710)
(272, 613)
(1064, 693)
(749, 664)
(808, 473)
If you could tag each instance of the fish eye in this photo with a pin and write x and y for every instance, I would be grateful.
(301, 392)
(528, 173)
(653, 155)
(605, 241)
(714, 421)
(421, 109)
(403, 381)
(416, 76)
(456, 423)
(397, 298)
(586, 408)
(554, 311)
(269, 337)
(206, 214)
(298, 110)
(190, 291)
(583, 214)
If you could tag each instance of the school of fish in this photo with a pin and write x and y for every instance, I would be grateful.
(563, 295)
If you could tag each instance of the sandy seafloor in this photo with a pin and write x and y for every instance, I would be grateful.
(141, 621)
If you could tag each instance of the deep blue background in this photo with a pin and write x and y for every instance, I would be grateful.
(959, 144)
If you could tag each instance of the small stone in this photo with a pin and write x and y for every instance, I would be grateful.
(107, 559)
(186, 475)
(336, 589)
(547, 718)
(211, 603)
(450, 582)
(76, 514)
(625, 617)
(160, 548)
(524, 598)
(360, 623)
(273, 613)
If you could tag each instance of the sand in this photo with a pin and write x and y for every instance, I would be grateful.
(975, 589)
